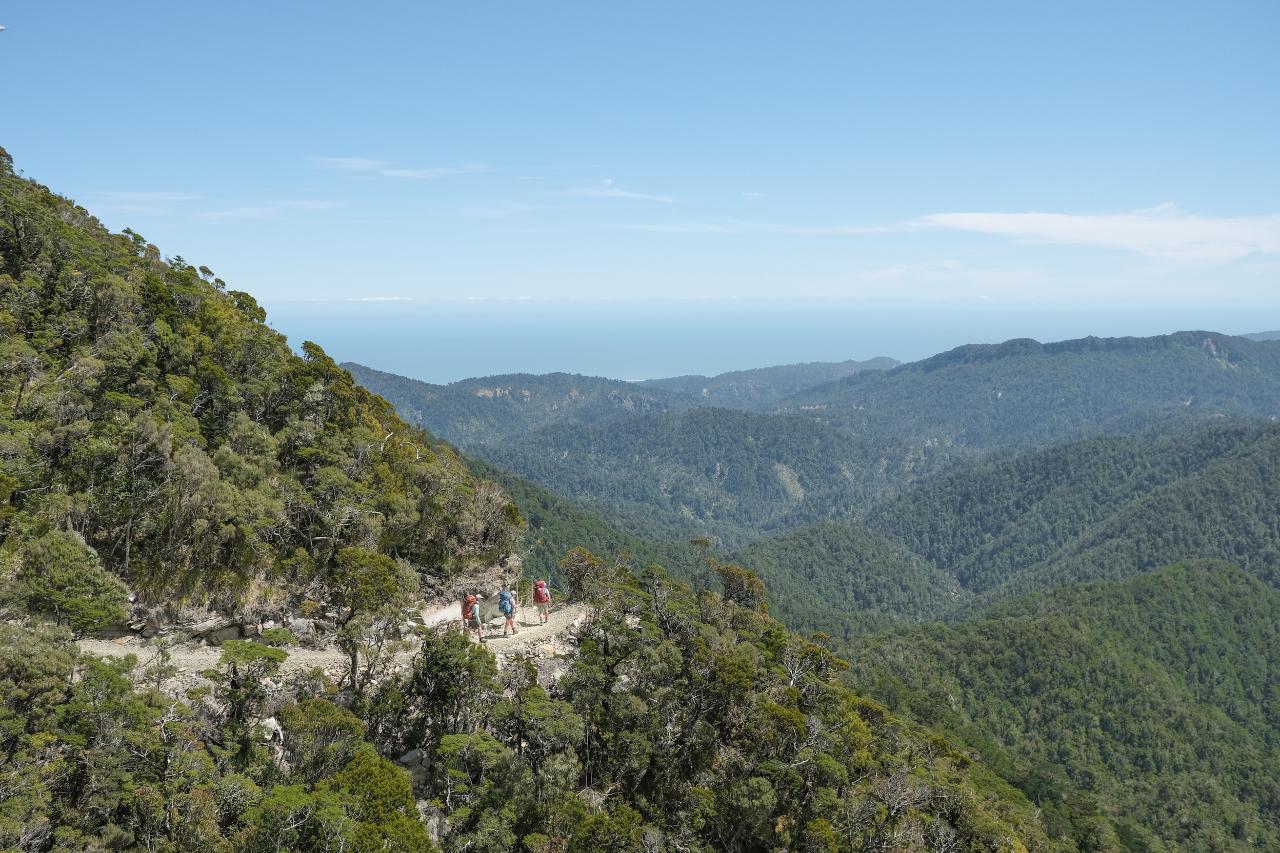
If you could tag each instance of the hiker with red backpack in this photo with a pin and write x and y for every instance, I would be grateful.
(471, 616)
(542, 598)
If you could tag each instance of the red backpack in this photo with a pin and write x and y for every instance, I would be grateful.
(468, 606)
(540, 593)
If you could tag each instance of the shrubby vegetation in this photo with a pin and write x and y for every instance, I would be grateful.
(683, 722)
(1141, 713)
(152, 414)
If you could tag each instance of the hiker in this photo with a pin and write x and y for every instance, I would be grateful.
(471, 617)
(507, 604)
(542, 598)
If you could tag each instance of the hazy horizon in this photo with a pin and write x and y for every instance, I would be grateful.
(446, 341)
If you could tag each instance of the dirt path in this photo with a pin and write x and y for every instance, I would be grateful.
(191, 659)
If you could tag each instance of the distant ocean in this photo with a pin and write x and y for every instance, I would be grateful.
(447, 341)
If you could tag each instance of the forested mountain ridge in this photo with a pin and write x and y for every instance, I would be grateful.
(729, 475)
(671, 467)
(1102, 508)
(1023, 393)
(983, 531)
(154, 431)
(489, 409)
(1158, 696)
(759, 389)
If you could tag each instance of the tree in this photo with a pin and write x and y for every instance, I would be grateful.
(61, 577)
(742, 586)
(319, 738)
(582, 571)
(378, 797)
(374, 591)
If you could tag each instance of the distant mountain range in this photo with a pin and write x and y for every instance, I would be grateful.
(1022, 393)
(658, 457)
(490, 409)
(757, 390)
(1263, 336)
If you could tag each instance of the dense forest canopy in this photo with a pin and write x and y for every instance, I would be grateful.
(1157, 697)
(1100, 508)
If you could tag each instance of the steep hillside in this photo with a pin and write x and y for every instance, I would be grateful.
(1023, 393)
(151, 413)
(496, 409)
(1097, 509)
(1157, 696)
(759, 389)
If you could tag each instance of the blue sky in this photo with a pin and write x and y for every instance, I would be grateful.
(1096, 157)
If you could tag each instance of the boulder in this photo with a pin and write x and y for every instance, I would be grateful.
(271, 729)
(412, 758)
(213, 623)
(220, 635)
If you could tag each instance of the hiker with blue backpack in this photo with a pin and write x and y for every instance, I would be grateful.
(507, 604)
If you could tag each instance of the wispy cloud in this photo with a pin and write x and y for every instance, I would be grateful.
(141, 202)
(269, 211)
(608, 188)
(1165, 232)
(369, 166)
(741, 226)
(750, 195)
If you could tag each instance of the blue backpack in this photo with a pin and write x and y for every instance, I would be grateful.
(505, 604)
